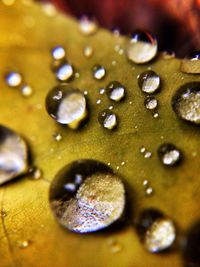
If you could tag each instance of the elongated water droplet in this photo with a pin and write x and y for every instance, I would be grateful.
(151, 103)
(141, 48)
(191, 64)
(13, 79)
(149, 82)
(115, 91)
(107, 119)
(13, 155)
(65, 72)
(186, 102)
(99, 72)
(169, 154)
(58, 52)
(88, 26)
(91, 203)
(157, 232)
(66, 105)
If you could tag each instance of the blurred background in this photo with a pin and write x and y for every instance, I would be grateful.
(176, 23)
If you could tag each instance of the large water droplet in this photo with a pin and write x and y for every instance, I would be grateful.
(191, 64)
(99, 72)
(141, 48)
(149, 82)
(86, 196)
(13, 155)
(169, 154)
(65, 72)
(13, 79)
(66, 105)
(115, 91)
(107, 119)
(186, 102)
(88, 26)
(191, 251)
(157, 232)
(58, 53)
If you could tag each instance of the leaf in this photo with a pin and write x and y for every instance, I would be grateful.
(27, 35)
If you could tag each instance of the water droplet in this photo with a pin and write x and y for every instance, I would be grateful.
(58, 53)
(147, 154)
(155, 115)
(88, 51)
(26, 90)
(24, 244)
(151, 103)
(186, 102)
(141, 48)
(168, 54)
(107, 119)
(157, 232)
(65, 72)
(88, 26)
(97, 201)
(169, 154)
(98, 102)
(191, 247)
(35, 172)
(13, 155)
(191, 64)
(142, 149)
(110, 107)
(145, 183)
(57, 136)
(13, 79)
(99, 72)
(149, 191)
(101, 91)
(66, 105)
(113, 62)
(149, 82)
(123, 163)
(115, 246)
(115, 91)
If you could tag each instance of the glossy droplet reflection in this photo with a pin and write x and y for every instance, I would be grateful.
(58, 53)
(191, 64)
(169, 154)
(64, 72)
(67, 105)
(107, 119)
(115, 91)
(157, 232)
(13, 79)
(141, 48)
(151, 103)
(86, 196)
(99, 72)
(13, 155)
(186, 102)
(149, 82)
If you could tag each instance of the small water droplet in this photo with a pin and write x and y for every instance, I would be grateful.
(186, 102)
(145, 183)
(115, 91)
(26, 90)
(35, 172)
(98, 102)
(88, 26)
(24, 244)
(66, 105)
(151, 103)
(149, 191)
(141, 48)
(155, 115)
(191, 64)
(88, 51)
(99, 72)
(101, 91)
(147, 154)
(142, 149)
(114, 62)
(149, 82)
(110, 107)
(85, 92)
(157, 232)
(169, 154)
(168, 54)
(107, 119)
(97, 202)
(57, 136)
(58, 53)
(123, 163)
(65, 72)
(13, 79)
(13, 155)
